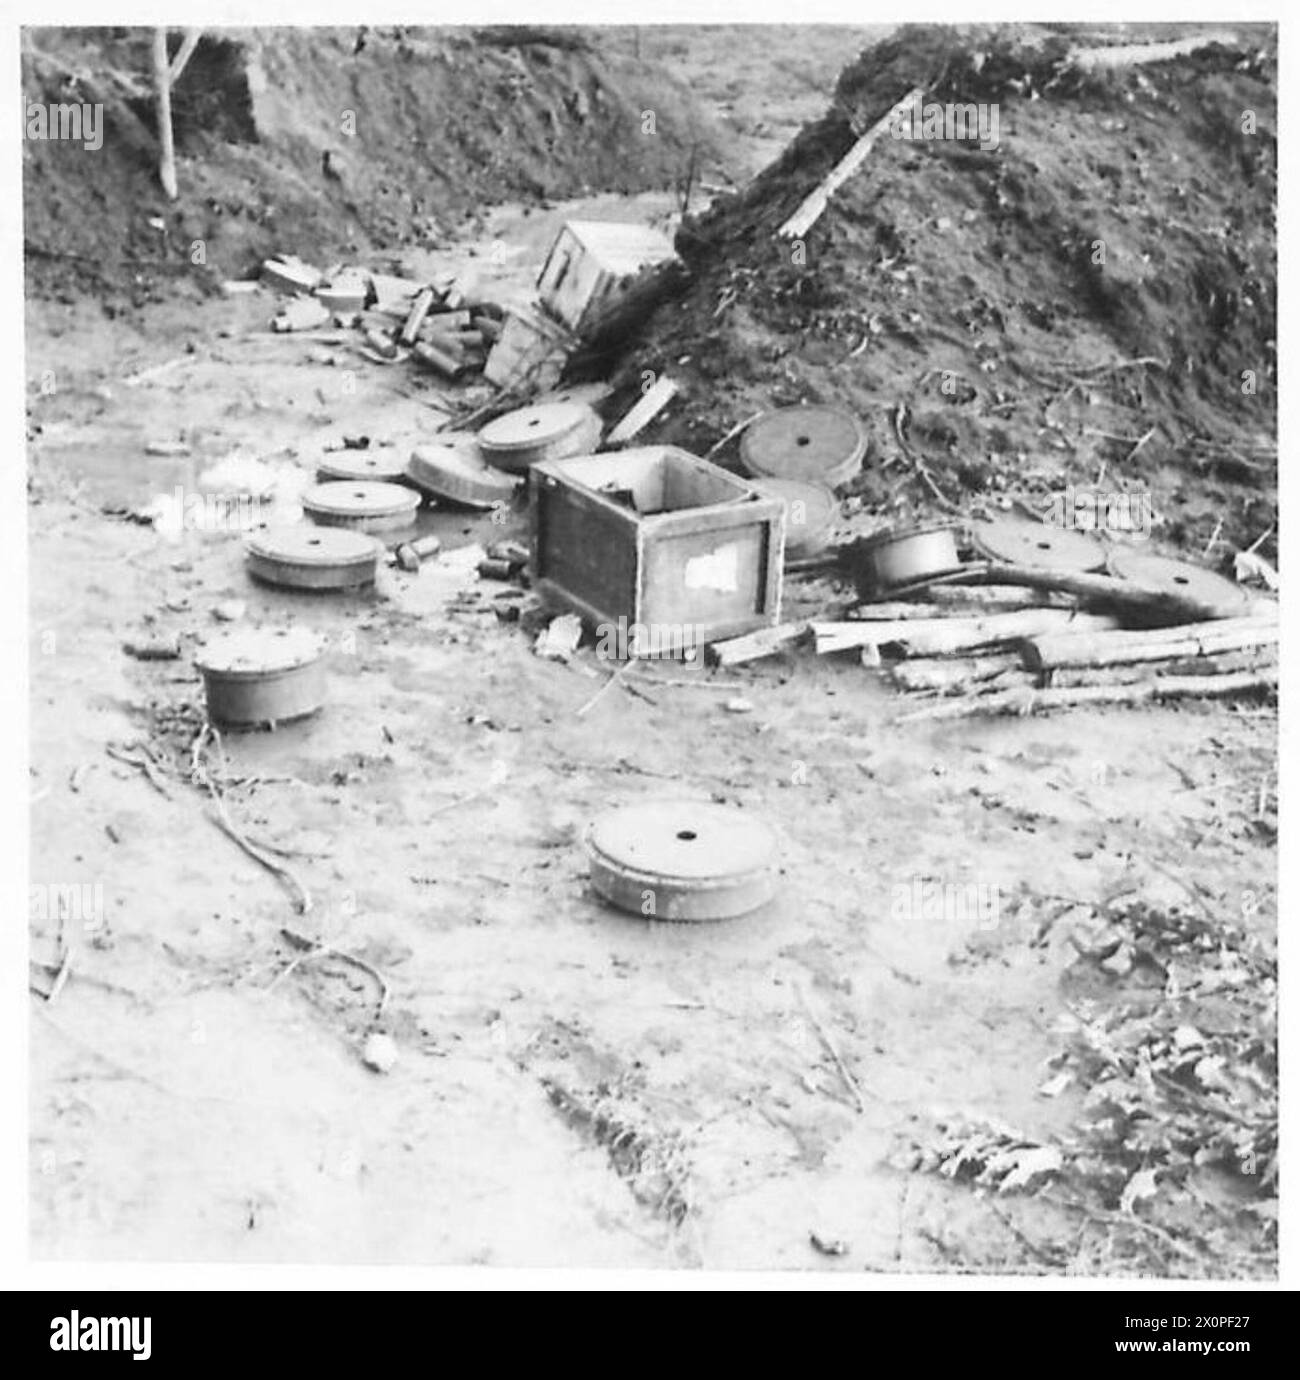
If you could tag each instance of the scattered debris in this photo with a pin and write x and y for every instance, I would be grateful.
(560, 638)
(379, 1052)
(229, 610)
(302, 314)
(164, 648)
(290, 274)
(410, 554)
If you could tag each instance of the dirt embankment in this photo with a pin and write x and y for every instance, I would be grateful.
(330, 143)
(1019, 316)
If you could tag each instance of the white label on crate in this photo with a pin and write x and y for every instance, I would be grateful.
(719, 570)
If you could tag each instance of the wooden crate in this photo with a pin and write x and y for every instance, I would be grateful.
(593, 263)
(680, 550)
(531, 349)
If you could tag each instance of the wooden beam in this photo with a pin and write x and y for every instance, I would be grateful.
(1047, 653)
(812, 206)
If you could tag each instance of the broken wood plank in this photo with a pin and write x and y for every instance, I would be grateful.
(955, 601)
(753, 646)
(940, 636)
(812, 206)
(646, 409)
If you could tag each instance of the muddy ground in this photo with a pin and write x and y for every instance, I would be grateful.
(574, 1086)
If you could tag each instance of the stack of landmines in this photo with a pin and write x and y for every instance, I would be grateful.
(987, 649)
(399, 317)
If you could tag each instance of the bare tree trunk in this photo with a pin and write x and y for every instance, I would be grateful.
(163, 92)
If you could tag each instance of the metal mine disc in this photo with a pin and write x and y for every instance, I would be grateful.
(683, 860)
(908, 557)
(810, 513)
(1176, 577)
(451, 467)
(381, 466)
(310, 557)
(547, 431)
(1022, 541)
(262, 675)
(361, 505)
(819, 444)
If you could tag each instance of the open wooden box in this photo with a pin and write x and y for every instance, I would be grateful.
(680, 550)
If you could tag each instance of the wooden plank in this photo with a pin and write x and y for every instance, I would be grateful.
(754, 646)
(937, 636)
(643, 412)
(812, 206)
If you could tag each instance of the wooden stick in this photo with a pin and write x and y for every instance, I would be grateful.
(734, 432)
(1143, 692)
(1078, 648)
(1137, 601)
(942, 636)
(317, 948)
(829, 1045)
(1220, 664)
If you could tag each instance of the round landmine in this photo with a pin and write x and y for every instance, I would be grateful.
(1164, 575)
(262, 675)
(906, 558)
(683, 860)
(546, 431)
(451, 468)
(1023, 541)
(810, 513)
(822, 445)
(360, 505)
(310, 557)
(382, 466)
